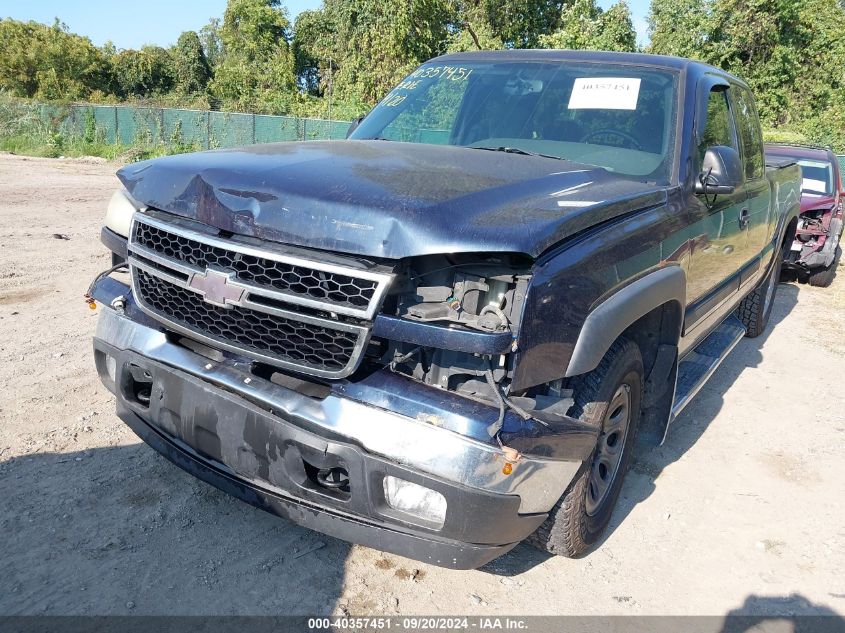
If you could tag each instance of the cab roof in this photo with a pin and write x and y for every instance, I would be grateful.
(551, 55)
(800, 151)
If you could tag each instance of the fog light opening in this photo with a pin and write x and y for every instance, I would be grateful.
(111, 367)
(137, 385)
(415, 500)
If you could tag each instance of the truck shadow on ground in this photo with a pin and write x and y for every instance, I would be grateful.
(788, 614)
(650, 461)
(121, 531)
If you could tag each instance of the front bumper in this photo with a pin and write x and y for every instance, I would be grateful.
(241, 449)
(804, 258)
(262, 442)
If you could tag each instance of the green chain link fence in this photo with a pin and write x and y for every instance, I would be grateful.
(207, 129)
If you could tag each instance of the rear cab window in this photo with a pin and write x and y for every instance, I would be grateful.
(817, 177)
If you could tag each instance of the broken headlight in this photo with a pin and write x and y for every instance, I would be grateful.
(484, 293)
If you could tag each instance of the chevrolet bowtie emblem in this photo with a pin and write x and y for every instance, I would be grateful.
(217, 288)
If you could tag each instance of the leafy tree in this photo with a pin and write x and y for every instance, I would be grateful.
(372, 44)
(313, 47)
(257, 70)
(212, 46)
(617, 31)
(680, 27)
(471, 28)
(790, 52)
(492, 24)
(191, 67)
(521, 23)
(48, 62)
(144, 73)
(584, 25)
(352, 52)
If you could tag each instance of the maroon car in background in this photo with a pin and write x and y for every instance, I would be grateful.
(815, 252)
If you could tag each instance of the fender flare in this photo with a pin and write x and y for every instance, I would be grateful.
(615, 314)
(792, 213)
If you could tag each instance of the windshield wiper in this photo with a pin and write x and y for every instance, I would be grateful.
(515, 150)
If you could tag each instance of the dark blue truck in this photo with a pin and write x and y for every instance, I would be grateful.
(445, 334)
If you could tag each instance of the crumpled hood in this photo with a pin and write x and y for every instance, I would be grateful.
(387, 199)
(811, 203)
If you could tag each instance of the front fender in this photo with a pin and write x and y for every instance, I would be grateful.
(570, 283)
(615, 314)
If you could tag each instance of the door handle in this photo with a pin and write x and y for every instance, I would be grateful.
(743, 219)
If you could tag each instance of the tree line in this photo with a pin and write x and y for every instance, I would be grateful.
(340, 59)
(256, 60)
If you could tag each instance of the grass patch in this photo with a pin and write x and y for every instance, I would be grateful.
(25, 145)
(29, 131)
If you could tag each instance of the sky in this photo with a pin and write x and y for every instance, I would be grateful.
(161, 21)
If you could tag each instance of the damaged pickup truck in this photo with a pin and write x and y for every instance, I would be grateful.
(444, 335)
(815, 253)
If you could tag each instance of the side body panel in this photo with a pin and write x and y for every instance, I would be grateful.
(720, 248)
(723, 249)
(762, 215)
(570, 282)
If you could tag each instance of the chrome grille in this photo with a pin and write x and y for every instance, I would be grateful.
(332, 288)
(286, 310)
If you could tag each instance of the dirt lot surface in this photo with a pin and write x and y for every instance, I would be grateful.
(742, 509)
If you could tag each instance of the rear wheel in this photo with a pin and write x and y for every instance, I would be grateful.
(755, 309)
(608, 397)
(823, 277)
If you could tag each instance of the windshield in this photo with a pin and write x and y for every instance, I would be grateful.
(817, 177)
(618, 117)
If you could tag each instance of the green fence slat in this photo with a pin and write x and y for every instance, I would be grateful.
(185, 127)
(190, 129)
(231, 129)
(273, 129)
(105, 123)
(126, 128)
(141, 126)
(71, 126)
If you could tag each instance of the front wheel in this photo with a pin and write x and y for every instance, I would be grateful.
(609, 398)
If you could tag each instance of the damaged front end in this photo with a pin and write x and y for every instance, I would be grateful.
(816, 236)
(366, 398)
(435, 302)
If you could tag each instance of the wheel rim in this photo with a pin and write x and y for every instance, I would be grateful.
(609, 449)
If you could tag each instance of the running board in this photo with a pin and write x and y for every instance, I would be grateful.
(696, 367)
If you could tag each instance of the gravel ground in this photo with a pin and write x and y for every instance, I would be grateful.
(740, 511)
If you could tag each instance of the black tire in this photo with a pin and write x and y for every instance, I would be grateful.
(755, 309)
(570, 529)
(823, 277)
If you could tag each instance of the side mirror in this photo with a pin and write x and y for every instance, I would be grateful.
(721, 171)
(354, 125)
